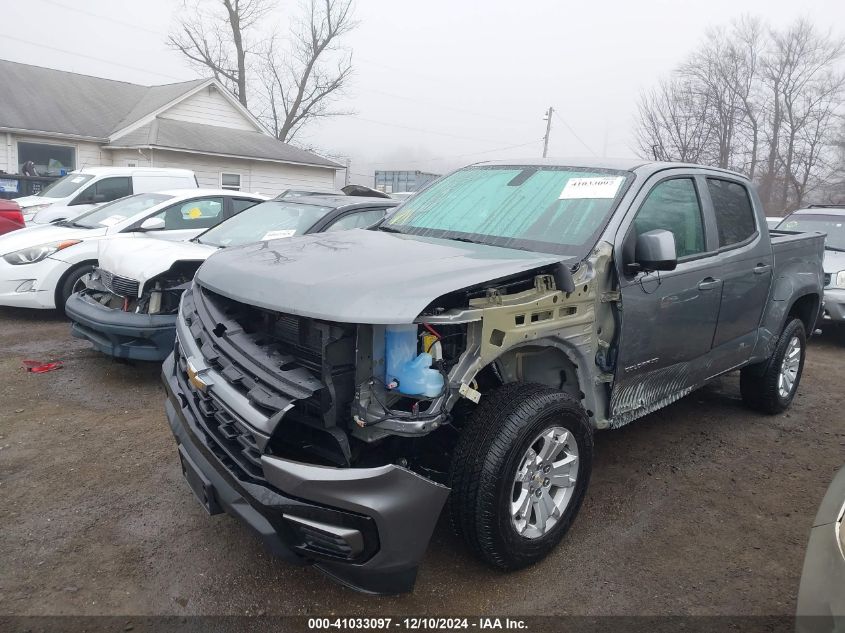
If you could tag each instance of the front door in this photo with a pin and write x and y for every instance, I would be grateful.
(668, 318)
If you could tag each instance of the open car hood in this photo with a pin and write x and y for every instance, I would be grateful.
(358, 276)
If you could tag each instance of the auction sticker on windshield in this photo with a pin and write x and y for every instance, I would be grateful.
(112, 220)
(584, 188)
(275, 235)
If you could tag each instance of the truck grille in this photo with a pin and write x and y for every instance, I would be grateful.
(297, 369)
(121, 286)
(235, 443)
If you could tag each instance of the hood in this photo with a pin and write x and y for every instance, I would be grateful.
(57, 212)
(140, 257)
(35, 235)
(31, 201)
(358, 276)
(834, 261)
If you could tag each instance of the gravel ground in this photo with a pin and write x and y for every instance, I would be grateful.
(700, 509)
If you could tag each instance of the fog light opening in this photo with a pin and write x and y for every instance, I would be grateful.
(26, 286)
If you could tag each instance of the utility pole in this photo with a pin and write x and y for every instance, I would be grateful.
(548, 130)
(348, 166)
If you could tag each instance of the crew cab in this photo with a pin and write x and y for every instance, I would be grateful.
(127, 307)
(335, 391)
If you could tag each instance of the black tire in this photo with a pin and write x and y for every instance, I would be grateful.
(65, 287)
(486, 458)
(759, 383)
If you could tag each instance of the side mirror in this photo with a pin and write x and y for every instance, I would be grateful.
(152, 224)
(655, 250)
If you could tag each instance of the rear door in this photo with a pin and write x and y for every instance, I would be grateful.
(668, 318)
(746, 263)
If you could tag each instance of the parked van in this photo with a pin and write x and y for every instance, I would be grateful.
(80, 190)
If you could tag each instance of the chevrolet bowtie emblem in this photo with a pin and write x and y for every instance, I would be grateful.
(194, 378)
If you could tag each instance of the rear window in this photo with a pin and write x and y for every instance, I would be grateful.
(734, 213)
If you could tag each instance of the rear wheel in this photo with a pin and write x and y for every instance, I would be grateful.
(519, 473)
(770, 387)
(68, 282)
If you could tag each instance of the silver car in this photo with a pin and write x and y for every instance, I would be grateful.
(829, 220)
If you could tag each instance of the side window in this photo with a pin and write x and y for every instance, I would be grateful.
(357, 220)
(239, 204)
(734, 213)
(673, 205)
(105, 190)
(199, 213)
(230, 181)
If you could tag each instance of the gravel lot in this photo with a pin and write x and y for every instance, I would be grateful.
(702, 508)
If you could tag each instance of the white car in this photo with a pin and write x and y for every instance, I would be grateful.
(128, 307)
(40, 265)
(79, 191)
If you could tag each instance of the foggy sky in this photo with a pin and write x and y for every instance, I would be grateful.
(437, 84)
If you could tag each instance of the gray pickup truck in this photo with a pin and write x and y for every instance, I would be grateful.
(334, 391)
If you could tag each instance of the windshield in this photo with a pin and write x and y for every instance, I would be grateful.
(117, 211)
(266, 221)
(833, 225)
(539, 208)
(65, 186)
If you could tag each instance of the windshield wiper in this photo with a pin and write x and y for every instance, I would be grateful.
(464, 239)
(389, 229)
(827, 247)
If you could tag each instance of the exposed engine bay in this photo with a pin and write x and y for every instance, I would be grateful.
(361, 395)
(159, 295)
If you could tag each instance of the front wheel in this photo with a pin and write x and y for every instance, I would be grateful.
(519, 473)
(68, 283)
(770, 387)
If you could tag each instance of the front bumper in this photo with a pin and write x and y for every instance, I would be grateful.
(834, 306)
(381, 519)
(121, 334)
(822, 592)
(31, 285)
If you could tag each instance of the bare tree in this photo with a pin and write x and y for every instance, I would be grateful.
(300, 84)
(767, 103)
(672, 122)
(216, 36)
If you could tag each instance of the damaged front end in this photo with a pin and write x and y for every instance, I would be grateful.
(356, 422)
(127, 319)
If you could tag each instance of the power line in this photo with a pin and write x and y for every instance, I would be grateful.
(417, 129)
(575, 134)
(441, 105)
(128, 25)
(92, 57)
(454, 156)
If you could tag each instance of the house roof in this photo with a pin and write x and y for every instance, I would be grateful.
(47, 100)
(55, 102)
(212, 139)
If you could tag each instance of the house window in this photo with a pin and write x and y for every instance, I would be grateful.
(49, 160)
(230, 181)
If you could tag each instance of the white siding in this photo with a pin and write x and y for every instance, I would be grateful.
(209, 107)
(256, 176)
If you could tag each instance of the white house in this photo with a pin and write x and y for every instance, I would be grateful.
(61, 120)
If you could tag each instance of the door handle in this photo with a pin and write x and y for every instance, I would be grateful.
(760, 269)
(709, 283)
